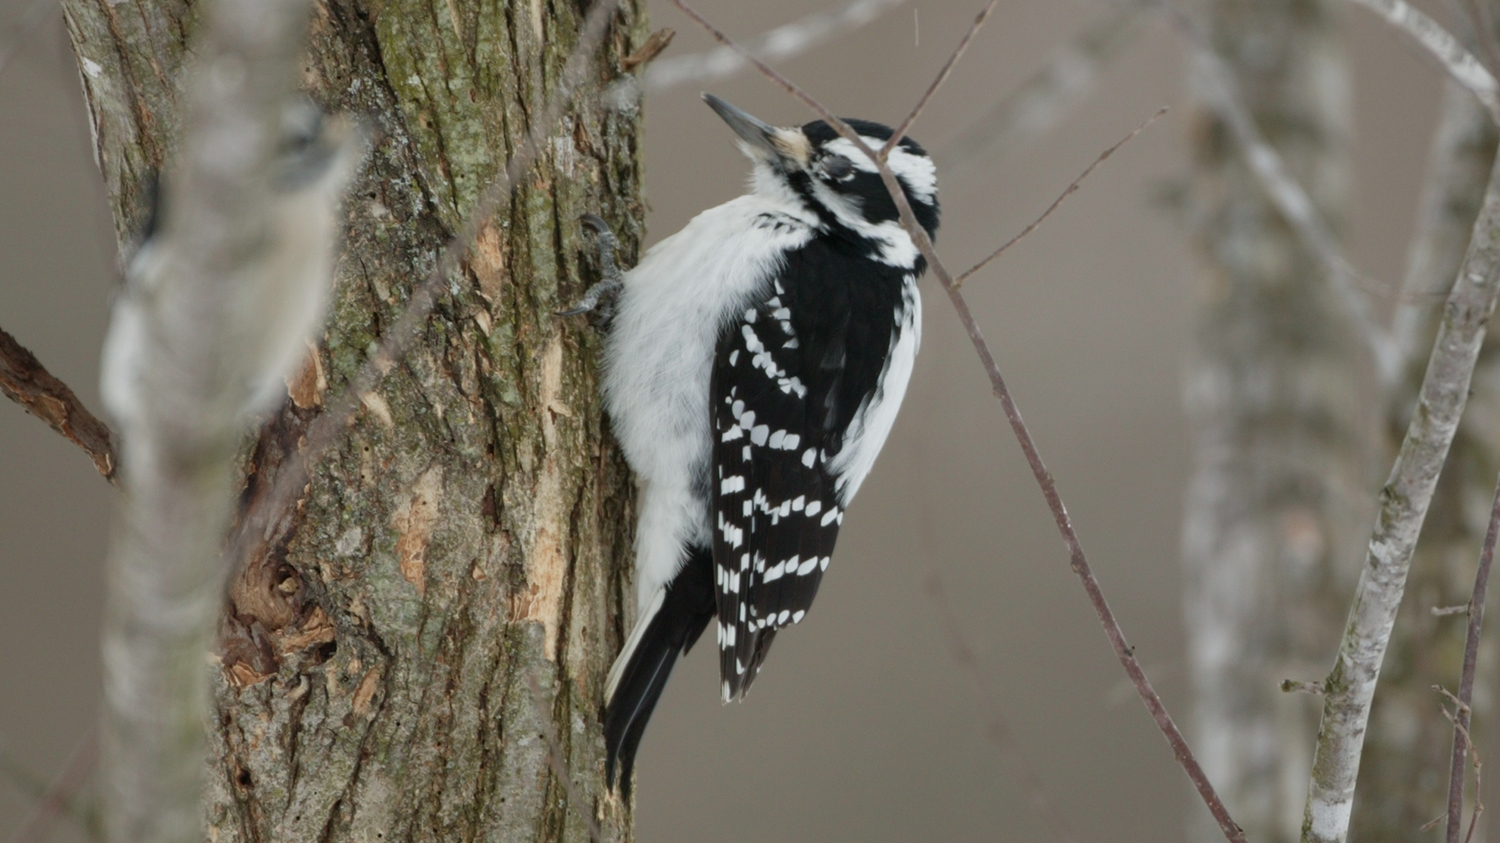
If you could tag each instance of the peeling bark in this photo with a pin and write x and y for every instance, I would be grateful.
(471, 530)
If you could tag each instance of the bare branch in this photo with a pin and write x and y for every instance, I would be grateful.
(937, 83)
(1048, 94)
(655, 43)
(997, 727)
(329, 426)
(1466, 677)
(1297, 686)
(1461, 730)
(1069, 191)
(27, 382)
(1222, 93)
(1403, 507)
(559, 763)
(1465, 69)
(1458, 163)
(1123, 651)
(779, 44)
(200, 337)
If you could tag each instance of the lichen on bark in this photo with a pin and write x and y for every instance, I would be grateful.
(469, 534)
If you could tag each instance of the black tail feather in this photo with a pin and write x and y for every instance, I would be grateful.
(685, 613)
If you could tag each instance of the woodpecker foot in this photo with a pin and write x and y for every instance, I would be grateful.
(599, 301)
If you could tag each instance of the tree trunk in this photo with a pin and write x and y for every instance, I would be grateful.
(1403, 775)
(1277, 506)
(466, 541)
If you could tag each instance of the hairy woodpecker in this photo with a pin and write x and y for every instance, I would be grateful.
(754, 365)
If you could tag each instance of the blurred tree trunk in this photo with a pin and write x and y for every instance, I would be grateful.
(1283, 425)
(1403, 777)
(466, 539)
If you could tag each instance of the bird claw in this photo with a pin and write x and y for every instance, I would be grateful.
(598, 300)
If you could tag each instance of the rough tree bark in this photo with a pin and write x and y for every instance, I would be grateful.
(1282, 428)
(466, 539)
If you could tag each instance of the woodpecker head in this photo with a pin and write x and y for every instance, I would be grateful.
(816, 168)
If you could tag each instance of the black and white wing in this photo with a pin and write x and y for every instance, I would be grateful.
(775, 507)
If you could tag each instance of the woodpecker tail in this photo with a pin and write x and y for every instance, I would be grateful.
(670, 625)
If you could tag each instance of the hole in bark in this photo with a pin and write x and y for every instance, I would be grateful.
(326, 651)
(242, 778)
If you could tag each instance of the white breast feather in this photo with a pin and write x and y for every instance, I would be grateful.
(659, 359)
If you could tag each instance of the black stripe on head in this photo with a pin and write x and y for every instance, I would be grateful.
(875, 199)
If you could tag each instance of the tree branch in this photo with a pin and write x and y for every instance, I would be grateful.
(1068, 191)
(27, 382)
(1403, 507)
(1467, 70)
(1123, 651)
(1466, 677)
(937, 82)
(213, 306)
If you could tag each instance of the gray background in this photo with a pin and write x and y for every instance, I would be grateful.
(862, 726)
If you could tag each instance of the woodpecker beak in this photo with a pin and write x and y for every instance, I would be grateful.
(758, 140)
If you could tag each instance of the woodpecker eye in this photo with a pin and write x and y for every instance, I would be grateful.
(837, 167)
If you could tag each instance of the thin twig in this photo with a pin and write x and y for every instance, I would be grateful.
(1224, 96)
(958, 53)
(997, 727)
(1466, 676)
(27, 382)
(1296, 686)
(1069, 191)
(1042, 100)
(1462, 731)
(779, 44)
(329, 426)
(558, 763)
(38, 11)
(1123, 651)
(60, 793)
(1469, 71)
